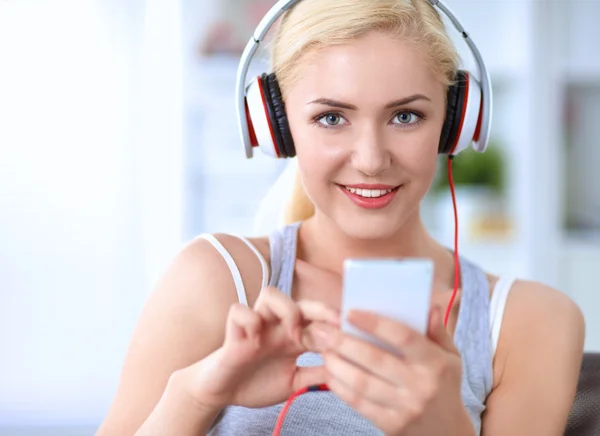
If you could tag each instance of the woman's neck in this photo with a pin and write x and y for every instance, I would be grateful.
(322, 244)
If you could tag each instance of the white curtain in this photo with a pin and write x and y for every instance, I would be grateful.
(90, 194)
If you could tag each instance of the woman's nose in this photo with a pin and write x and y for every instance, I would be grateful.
(370, 155)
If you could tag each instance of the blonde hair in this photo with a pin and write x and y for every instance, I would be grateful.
(314, 24)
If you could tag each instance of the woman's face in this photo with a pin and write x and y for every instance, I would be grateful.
(366, 119)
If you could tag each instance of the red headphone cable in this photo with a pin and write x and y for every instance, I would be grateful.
(456, 256)
(323, 387)
(286, 407)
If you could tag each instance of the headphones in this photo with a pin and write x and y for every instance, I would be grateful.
(263, 121)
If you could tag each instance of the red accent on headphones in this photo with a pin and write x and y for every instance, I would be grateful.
(251, 131)
(479, 123)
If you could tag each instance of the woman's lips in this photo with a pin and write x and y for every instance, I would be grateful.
(370, 196)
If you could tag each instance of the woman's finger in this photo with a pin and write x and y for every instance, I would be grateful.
(379, 415)
(242, 324)
(412, 345)
(320, 323)
(316, 311)
(385, 365)
(316, 337)
(274, 306)
(437, 331)
(365, 382)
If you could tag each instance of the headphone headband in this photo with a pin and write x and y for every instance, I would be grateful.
(479, 144)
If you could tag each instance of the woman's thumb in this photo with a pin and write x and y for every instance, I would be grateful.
(437, 330)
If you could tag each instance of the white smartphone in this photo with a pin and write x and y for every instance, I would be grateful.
(396, 288)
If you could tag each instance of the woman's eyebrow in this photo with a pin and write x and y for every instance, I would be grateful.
(333, 103)
(341, 105)
(407, 100)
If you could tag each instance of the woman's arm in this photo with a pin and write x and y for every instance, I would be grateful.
(182, 322)
(537, 364)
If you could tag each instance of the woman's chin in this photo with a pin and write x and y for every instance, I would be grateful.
(368, 223)
(369, 227)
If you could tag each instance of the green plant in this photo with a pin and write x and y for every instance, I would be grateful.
(471, 168)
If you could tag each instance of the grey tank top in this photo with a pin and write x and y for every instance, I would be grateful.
(324, 414)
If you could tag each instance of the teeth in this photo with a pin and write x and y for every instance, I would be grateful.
(369, 193)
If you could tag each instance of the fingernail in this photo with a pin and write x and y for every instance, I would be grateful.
(323, 339)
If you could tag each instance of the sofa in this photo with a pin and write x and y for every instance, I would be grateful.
(584, 419)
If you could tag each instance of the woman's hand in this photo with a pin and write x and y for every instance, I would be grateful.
(256, 366)
(414, 393)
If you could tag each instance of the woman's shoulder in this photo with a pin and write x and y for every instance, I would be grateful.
(198, 287)
(223, 257)
(540, 322)
(525, 298)
(534, 303)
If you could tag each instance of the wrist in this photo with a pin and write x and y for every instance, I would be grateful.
(202, 384)
(180, 391)
(178, 412)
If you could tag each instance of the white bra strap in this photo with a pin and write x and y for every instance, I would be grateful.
(497, 305)
(235, 272)
(261, 259)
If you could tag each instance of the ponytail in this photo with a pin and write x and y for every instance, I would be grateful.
(285, 203)
(298, 206)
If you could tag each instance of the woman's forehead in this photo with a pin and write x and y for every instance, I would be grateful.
(377, 65)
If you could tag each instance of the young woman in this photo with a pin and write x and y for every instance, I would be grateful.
(215, 351)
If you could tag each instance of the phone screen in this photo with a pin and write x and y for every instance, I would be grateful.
(396, 288)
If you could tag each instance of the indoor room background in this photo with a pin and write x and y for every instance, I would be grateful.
(118, 143)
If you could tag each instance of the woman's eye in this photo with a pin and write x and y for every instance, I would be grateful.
(330, 120)
(406, 117)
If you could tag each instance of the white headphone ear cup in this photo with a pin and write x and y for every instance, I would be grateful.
(259, 117)
(471, 114)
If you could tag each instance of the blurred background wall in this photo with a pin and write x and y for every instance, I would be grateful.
(118, 143)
